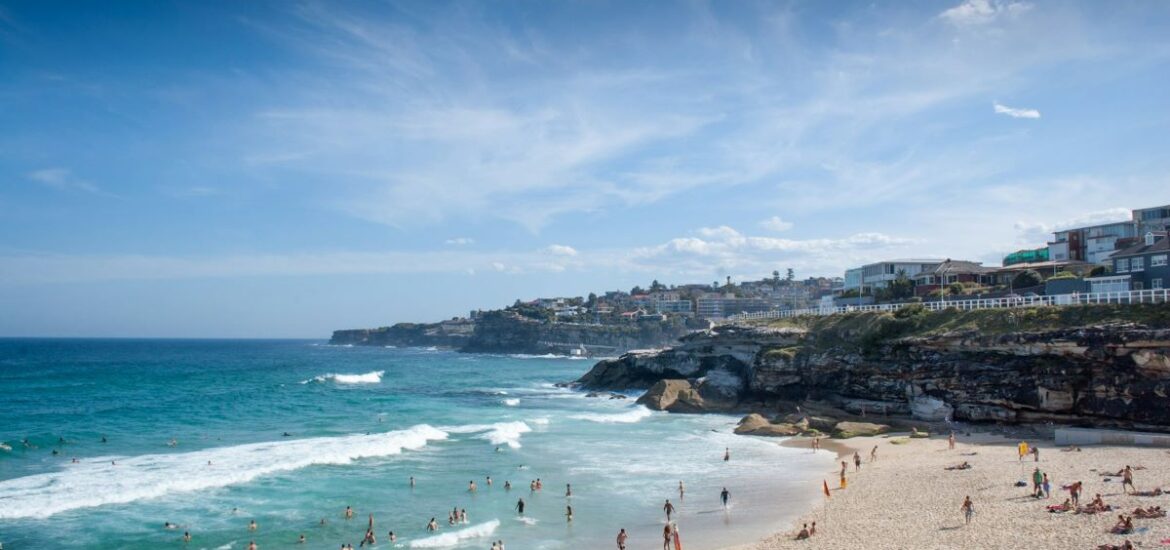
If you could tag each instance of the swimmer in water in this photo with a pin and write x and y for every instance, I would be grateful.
(471, 486)
(520, 506)
(412, 482)
(186, 536)
(348, 512)
(302, 539)
(252, 526)
(568, 490)
(507, 485)
(391, 536)
(489, 481)
(286, 434)
(462, 516)
(726, 454)
(432, 525)
(323, 522)
(103, 439)
(169, 525)
(681, 490)
(569, 514)
(252, 545)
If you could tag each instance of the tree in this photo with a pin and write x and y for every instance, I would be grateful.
(729, 280)
(790, 276)
(636, 290)
(1027, 279)
(900, 288)
(656, 286)
(591, 300)
(1099, 271)
(775, 278)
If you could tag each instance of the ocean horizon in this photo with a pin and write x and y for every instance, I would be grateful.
(211, 434)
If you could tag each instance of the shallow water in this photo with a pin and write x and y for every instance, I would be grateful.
(360, 423)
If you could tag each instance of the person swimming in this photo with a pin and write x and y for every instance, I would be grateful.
(507, 485)
(348, 512)
(432, 525)
(302, 539)
(252, 525)
(186, 536)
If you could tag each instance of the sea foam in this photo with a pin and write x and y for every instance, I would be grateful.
(628, 417)
(372, 377)
(455, 537)
(99, 481)
(500, 433)
(511, 402)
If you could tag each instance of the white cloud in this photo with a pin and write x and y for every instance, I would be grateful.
(1040, 232)
(460, 241)
(62, 179)
(561, 250)
(776, 223)
(979, 12)
(1016, 113)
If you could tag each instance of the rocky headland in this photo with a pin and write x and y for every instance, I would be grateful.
(1091, 366)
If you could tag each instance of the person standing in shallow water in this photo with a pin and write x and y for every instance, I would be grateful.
(681, 490)
(621, 539)
(726, 454)
(667, 535)
(520, 506)
(668, 508)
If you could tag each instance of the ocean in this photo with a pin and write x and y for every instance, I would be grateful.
(112, 439)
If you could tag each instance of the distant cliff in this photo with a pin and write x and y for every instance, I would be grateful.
(505, 332)
(447, 334)
(1093, 365)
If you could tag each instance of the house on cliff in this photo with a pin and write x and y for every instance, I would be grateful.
(1143, 266)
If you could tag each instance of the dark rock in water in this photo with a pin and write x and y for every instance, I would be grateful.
(863, 367)
(593, 394)
(617, 396)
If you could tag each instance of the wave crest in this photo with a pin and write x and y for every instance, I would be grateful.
(455, 537)
(372, 377)
(629, 417)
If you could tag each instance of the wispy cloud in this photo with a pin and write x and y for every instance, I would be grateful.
(62, 179)
(1016, 113)
(980, 12)
(561, 250)
(776, 223)
(460, 241)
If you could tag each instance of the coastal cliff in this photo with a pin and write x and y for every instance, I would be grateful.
(1093, 365)
(504, 332)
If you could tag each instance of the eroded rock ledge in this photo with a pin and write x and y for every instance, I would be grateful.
(1109, 373)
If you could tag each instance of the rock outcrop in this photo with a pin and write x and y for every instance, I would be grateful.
(1111, 373)
(756, 424)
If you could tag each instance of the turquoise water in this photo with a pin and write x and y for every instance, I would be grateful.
(360, 423)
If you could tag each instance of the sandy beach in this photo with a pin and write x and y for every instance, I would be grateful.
(907, 499)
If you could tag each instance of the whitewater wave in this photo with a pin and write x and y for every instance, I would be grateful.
(455, 537)
(500, 433)
(630, 417)
(119, 480)
(512, 402)
(373, 377)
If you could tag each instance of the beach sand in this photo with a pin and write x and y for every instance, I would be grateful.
(907, 500)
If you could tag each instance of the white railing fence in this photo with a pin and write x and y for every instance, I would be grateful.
(1156, 296)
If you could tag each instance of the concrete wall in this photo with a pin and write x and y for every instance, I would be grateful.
(1085, 436)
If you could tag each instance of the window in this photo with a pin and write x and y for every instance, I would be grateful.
(1137, 285)
(1122, 266)
(1158, 260)
(1137, 264)
(1156, 284)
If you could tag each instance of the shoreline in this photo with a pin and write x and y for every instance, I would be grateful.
(907, 499)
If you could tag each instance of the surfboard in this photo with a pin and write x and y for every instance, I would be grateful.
(677, 540)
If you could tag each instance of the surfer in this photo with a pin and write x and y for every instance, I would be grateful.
(569, 514)
(621, 539)
(724, 495)
(520, 506)
(668, 508)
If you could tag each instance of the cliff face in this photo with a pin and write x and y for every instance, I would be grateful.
(1112, 373)
(448, 334)
(501, 332)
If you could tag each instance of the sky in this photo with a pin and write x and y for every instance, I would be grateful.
(287, 168)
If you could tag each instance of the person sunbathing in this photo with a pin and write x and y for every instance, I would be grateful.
(1149, 513)
(1124, 546)
(1157, 492)
(1095, 507)
(963, 466)
(1124, 526)
(1071, 449)
(1061, 508)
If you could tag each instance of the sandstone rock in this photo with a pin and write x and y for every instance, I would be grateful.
(845, 430)
(930, 409)
(673, 396)
(756, 424)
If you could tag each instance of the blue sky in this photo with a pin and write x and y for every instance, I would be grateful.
(286, 168)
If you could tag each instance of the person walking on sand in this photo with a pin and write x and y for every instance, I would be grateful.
(621, 539)
(812, 530)
(1074, 493)
(1035, 453)
(724, 495)
(951, 441)
(1046, 487)
(668, 508)
(1023, 450)
(1037, 483)
(844, 467)
(968, 510)
(873, 454)
(1127, 480)
(667, 537)
(856, 462)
